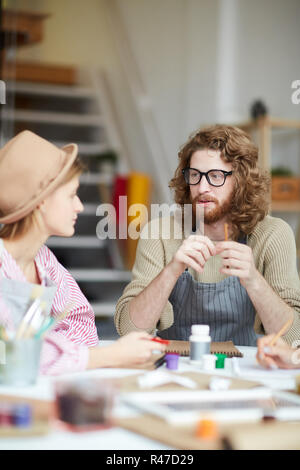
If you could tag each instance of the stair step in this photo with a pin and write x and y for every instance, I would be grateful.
(76, 241)
(96, 178)
(89, 149)
(104, 309)
(51, 90)
(66, 119)
(89, 209)
(101, 275)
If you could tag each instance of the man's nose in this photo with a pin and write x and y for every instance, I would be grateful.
(203, 185)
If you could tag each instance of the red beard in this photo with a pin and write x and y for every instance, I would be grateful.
(212, 216)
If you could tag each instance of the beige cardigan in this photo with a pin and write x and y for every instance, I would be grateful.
(274, 251)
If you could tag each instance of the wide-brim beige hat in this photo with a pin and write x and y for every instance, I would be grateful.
(31, 168)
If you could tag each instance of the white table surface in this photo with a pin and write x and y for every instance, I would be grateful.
(118, 438)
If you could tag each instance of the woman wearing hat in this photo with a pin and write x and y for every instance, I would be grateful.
(38, 199)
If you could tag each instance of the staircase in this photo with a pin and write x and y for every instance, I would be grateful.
(71, 113)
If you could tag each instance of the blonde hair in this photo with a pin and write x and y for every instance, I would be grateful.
(19, 228)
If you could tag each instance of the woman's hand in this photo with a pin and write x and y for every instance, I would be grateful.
(281, 355)
(130, 350)
(133, 349)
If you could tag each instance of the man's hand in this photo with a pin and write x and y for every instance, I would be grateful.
(193, 253)
(146, 308)
(238, 261)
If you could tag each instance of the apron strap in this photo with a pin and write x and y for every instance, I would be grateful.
(243, 238)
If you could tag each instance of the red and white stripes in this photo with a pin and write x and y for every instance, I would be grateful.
(65, 348)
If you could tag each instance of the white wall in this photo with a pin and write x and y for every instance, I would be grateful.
(174, 43)
(204, 61)
(200, 61)
(268, 54)
(269, 61)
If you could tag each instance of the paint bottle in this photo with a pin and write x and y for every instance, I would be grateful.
(16, 415)
(220, 364)
(5, 415)
(22, 415)
(208, 362)
(199, 342)
(172, 361)
(207, 429)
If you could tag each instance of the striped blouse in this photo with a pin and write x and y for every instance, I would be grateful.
(65, 348)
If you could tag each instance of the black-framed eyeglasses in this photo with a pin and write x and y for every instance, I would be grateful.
(214, 177)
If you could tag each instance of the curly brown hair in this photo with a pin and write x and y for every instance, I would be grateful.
(251, 195)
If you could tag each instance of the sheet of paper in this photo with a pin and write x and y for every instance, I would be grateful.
(249, 368)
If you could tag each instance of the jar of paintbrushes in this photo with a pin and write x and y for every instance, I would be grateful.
(20, 345)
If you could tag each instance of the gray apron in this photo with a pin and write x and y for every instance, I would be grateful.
(225, 306)
(16, 295)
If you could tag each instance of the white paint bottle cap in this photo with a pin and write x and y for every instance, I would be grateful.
(208, 361)
(200, 330)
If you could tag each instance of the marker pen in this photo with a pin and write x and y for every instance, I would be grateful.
(159, 340)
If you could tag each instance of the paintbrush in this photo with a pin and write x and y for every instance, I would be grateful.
(36, 321)
(36, 293)
(7, 330)
(281, 331)
(51, 322)
(3, 333)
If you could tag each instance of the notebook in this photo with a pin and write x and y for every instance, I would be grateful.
(224, 347)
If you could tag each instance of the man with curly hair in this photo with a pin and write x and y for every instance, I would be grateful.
(244, 284)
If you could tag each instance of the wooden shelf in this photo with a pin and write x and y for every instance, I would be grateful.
(27, 26)
(285, 206)
(279, 122)
(269, 121)
(264, 125)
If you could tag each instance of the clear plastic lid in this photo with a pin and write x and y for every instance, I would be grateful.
(200, 330)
